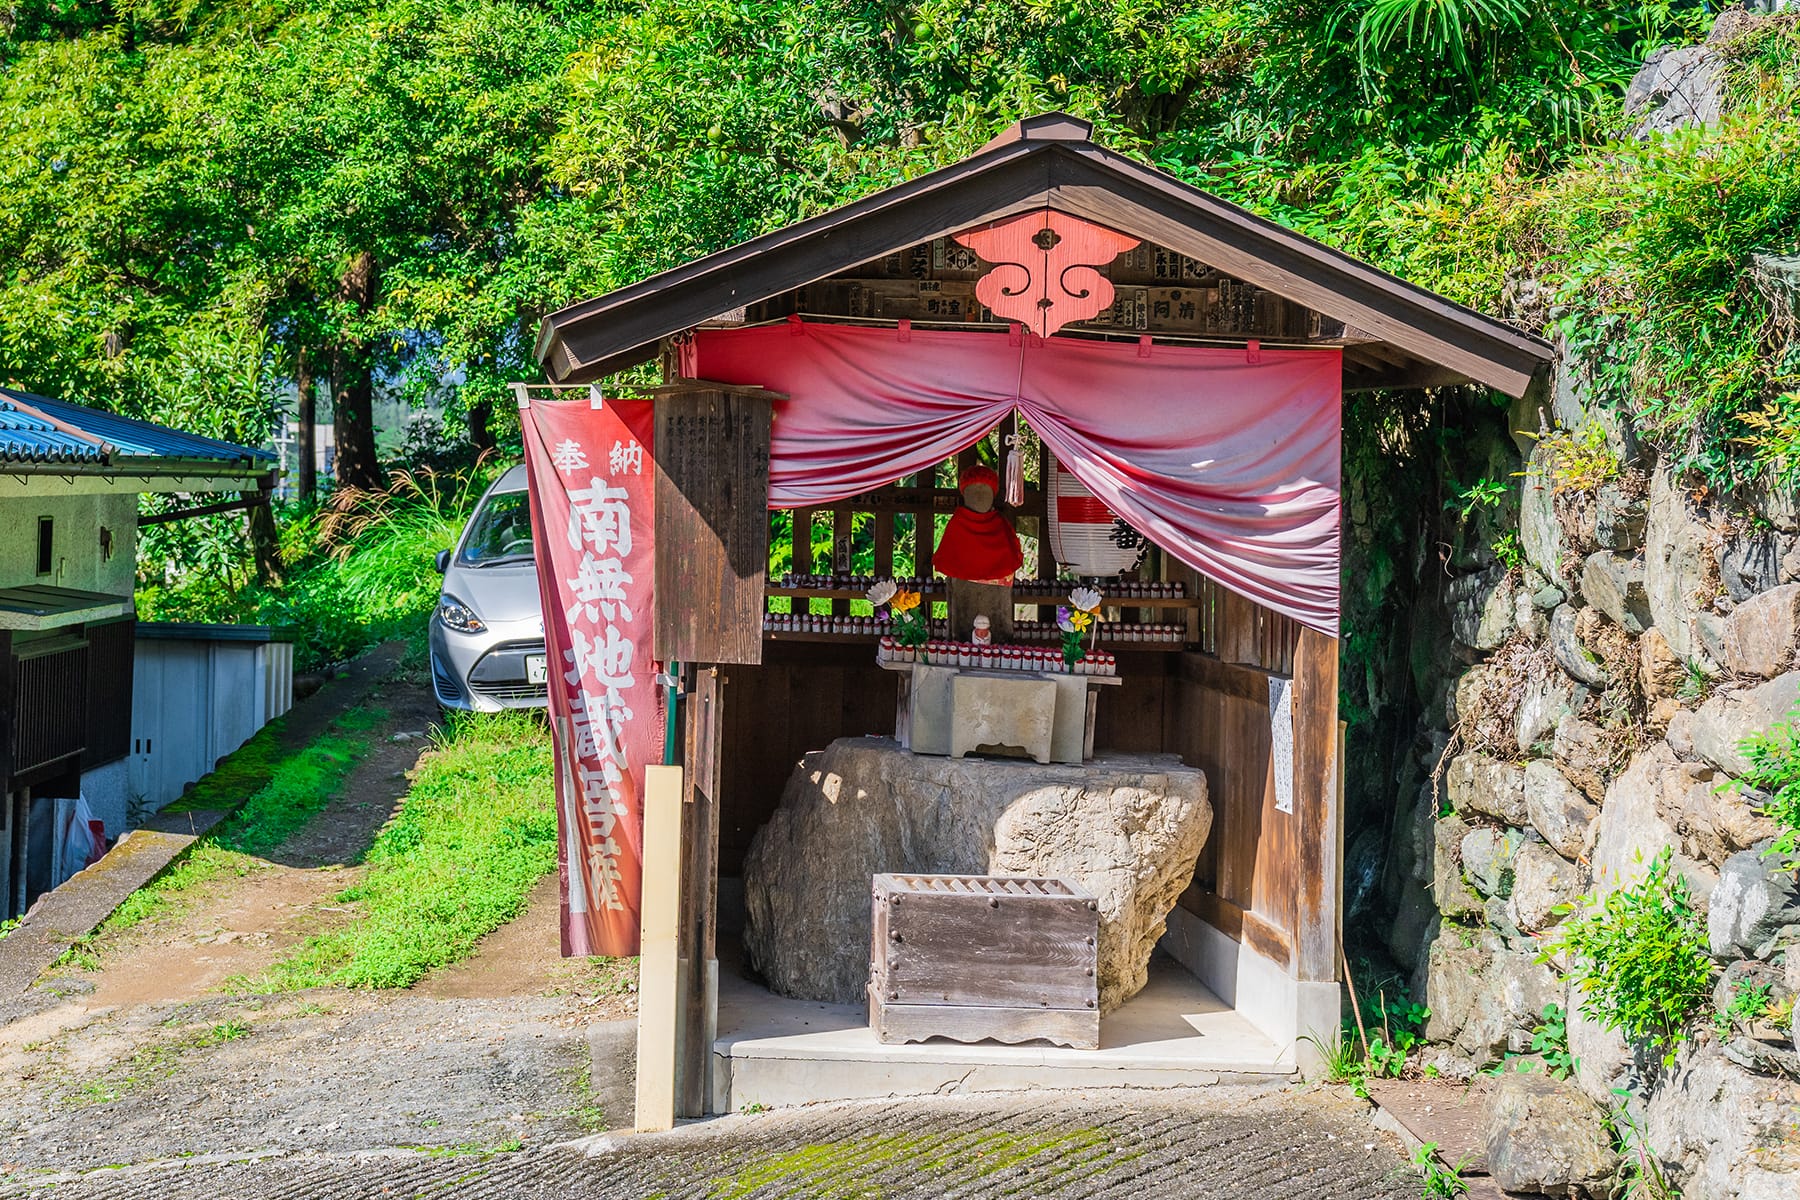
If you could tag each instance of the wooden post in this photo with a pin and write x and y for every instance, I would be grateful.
(699, 954)
(658, 965)
(1316, 784)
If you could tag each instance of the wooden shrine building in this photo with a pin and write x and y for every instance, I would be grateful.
(1202, 653)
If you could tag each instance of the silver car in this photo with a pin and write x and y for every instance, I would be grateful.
(487, 636)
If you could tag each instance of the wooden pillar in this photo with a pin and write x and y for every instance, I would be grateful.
(658, 962)
(1237, 641)
(699, 951)
(1318, 808)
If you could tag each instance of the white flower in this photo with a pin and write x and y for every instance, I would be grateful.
(1085, 598)
(882, 592)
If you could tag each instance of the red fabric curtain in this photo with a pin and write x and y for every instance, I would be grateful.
(1229, 465)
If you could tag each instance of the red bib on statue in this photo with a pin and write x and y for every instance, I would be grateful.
(978, 546)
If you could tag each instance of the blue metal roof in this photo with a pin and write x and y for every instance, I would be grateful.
(37, 429)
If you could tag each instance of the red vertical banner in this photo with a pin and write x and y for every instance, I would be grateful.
(593, 489)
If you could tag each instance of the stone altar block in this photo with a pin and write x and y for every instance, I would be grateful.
(927, 709)
(1127, 828)
(991, 710)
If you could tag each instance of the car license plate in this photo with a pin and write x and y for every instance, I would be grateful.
(534, 669)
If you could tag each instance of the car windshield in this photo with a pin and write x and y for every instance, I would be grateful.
(499, 533)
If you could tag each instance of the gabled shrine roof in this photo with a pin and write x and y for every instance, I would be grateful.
(1414, 337)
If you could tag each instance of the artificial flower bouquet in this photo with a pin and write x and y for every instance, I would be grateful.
(905, 611)
(1077, 620)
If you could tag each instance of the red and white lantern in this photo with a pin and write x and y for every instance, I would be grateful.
(1082, 527)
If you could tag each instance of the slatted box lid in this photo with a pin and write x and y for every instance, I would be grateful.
(984, 941)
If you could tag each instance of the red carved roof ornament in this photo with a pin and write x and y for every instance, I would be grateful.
(1044, 262)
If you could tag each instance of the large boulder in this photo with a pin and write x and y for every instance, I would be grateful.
(1681, 574)
(1750, 562)
(1481, 608)
(1544, 885)
(1676, 87)
(1604, 1063)
(1128, 829)
(1726, 719)
(1509, 1001)
(1614, 584)
(1544, 1136)
(1557, 809)
(1548, 698)
(1584, 755)
(1729, 1134)
(1485, 786)
(1754, 902)
(1661, 674)
(1571, 652)
(1714, 817)
(1487, 859)
(1455, 898)
(1540, 533)
(1631, 830)
(1449, 982)
(1762, 633)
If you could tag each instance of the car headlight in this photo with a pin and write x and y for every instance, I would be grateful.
(458, 616)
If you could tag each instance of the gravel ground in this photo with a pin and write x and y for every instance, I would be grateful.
(1224, 1143)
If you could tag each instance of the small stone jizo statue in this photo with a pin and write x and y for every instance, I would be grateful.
(979, 553)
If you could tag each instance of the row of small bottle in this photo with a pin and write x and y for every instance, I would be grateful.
(1025, 591)
(1110, 631)
(992, 657)
(858, 583)
(830, 623)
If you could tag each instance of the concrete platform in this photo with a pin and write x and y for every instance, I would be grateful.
(775, 1051)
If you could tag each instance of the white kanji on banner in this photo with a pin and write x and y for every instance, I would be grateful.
(595, 574)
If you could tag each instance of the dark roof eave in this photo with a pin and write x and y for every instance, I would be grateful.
(257, 473)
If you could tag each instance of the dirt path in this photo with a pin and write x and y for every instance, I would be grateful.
(160, 1054)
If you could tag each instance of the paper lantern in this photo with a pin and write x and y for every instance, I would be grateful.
(1085, 536)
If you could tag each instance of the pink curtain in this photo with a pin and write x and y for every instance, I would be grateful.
(1229, 465)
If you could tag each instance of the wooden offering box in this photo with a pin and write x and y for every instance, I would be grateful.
(968, 957)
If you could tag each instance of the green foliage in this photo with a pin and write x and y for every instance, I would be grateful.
(1483, 493)
(476, 831)
(1551, 1039)
(1749, 1002)
(1395, 1028)
(361, 571)
(1774, 757)
(1639, 957)
(1549, 1042)
(1641, 1171)
(1439, 1181)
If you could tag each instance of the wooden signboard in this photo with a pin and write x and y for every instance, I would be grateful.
(712, 524)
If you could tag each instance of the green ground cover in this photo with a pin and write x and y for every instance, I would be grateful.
(475, 833)
(298, 788)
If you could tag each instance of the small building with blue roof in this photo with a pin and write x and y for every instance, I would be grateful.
(70, 726)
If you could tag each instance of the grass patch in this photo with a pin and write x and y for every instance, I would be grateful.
(476, 831)
(153, 1062)
(296, 790)
(242, 772)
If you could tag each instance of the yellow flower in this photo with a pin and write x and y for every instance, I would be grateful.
(904, 602)
(1081, 620)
